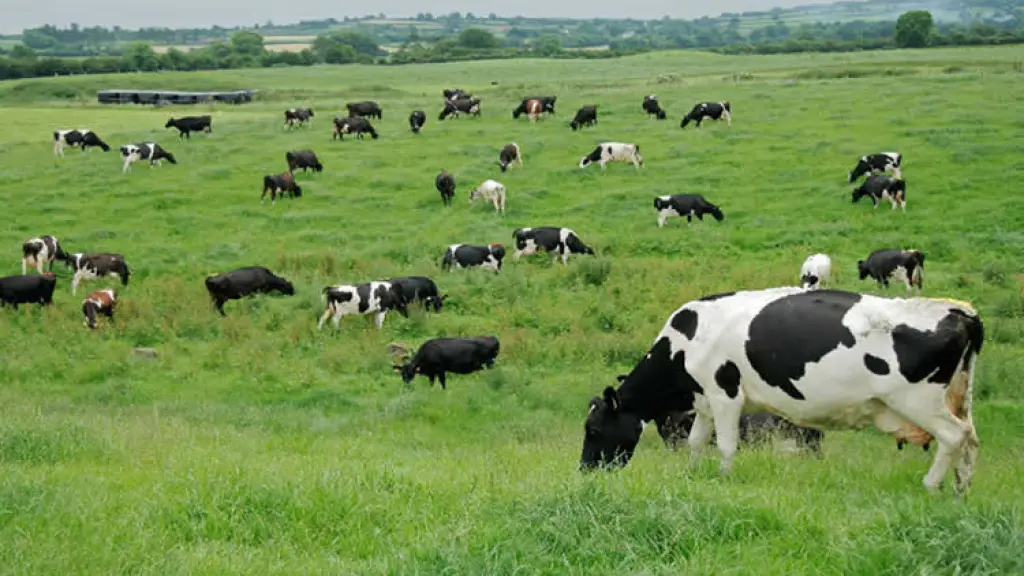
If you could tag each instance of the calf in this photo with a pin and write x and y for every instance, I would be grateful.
(905, 265)
(151, 151)
(547, 103)
(439, 356)
(420, 289)
(99, 302)
(368, 108)
(585, 116)
(559, 241)
(90, 266)
(490, 190)
(509, 154)
(353, 125)
(39, 251)
(82, 138)
(191, 124)
(815, 272)
(467, 256)
(372, 297)
(445, 184)
(651, 106)
(712, 110)
(279, 184)
(688, 205)
(878, 163)
(453, 108)
(305, 159)
(879, 187)
(300, 116)
(27, 289)
(248, 281)
(613, 152)
(416, 120)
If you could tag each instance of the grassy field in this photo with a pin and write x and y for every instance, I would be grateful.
(256, 445)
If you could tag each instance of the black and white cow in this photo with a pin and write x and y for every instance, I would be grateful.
(880, 187)
(279, 184)
(91, 266)
(100, 302)
(510, 153)
(688, 205)
(300, 116)
(445, 184)
(248, 281)
(27, 289)
(585, 116)
(712, 110)
(353, 125)
(459, 106)
(82, 138)
(613, 152)
(151, 151)
(438, 356)
(367, 108)
(420, 289)
(36, 252)
(547, 103)
(373, 297)
(467, 256)
(305, 159)
(824, 359)
(416, 120)
(558, 241)
(815, 271)
(651, 106)
(455, 94)
(191, 124)
(904, 265)
(878, 163)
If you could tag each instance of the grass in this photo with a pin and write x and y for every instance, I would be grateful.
(256, 445)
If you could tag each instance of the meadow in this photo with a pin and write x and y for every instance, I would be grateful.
(255, 444)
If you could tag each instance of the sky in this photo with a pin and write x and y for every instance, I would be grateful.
(20, 14)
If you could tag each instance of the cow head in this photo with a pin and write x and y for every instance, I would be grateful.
(89, 308)
(591, 158)
(858, 194)
(283, 286)
(717, 213)
(170, 123)
(436, 302)
(862, 270)
(661, 114)
(297, 191)
(861, 169)
(610, 433)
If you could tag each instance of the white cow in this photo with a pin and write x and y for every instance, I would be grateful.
(613, 152)
(816, 271)
(490, 190)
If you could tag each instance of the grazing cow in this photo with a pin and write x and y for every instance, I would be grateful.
(905, 265)
(90, 266)
(453, 108)
(27, 289)
(305, 159)
(467, 256)
(613, 152)
(815, 272)
(878, 163)
(490, 190)
(416, 120)
(651, 106)
(353, 125)
(548, 103)
(688, 205)
(39, 251)
(438, 356)
(300, 116)
(825, 359)
(534, 109)
(557, 241)
(879, 187)
(445, 184)
(151, 151)
(372, 297)
(279, 184)
(81, 138)
(585, 116)
(510, 153)
(712, 110)
(420, 289)
(99, 302)
(367, 108)
(191, 124)
(248, 281)
(455, 94)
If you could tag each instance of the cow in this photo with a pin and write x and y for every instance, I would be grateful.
(585, 116)
(712, 110)
(353, 125)
(510, 153)
(467, 256)
(547, 102)
(455, 94)
(305, 159)
(490, 190)
(613, 152)
(371, 297)
(416, 120)
(368, 108)
(279, 184)
(36, 252)
(445, 184)
(82, 138)
(453, 108)
(438, 356)
(420, 289)
(558, 241)
(651, 106)
(300, 116)
(243, 282)
(99, 302)
(191, 124)
(905, 265)
(815, 272)
(90, 266)
(27, 289)
(151, 151)
(880, 187)
(534, 109)
(824, 359)
(688, 205)
(878, 163)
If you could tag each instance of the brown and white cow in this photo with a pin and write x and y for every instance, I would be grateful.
(99, 302)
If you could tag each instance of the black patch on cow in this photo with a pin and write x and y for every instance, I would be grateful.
(713, 297)
(795, 330)
(685, 321)
(876, 365)
(728, 378)
(363, 291)
(924, 353)
(659, 383)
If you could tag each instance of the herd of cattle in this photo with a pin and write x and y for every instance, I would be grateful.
(793, 360)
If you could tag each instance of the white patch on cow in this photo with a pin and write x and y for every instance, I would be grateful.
(491, 262)
(529, 248)
(86, 273)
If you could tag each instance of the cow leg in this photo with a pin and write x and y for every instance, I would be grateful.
(728, 117)
(379, 320)
(700, 434)
(24, 267)
(218, 303)
(75, 280)
(727, 429)
(565, 255)
(127, 165)
(662, 218)
(441, 378)
(264, 195)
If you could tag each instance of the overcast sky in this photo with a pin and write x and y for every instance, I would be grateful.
(20, 14)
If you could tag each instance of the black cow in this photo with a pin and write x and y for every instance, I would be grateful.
(279, 184)
(439, 356)
(27, 289)
(90, 266)
(420, 289)
(80, 138)
(299, 116)
(558, 241)
(548, 102)
(467, 256)
(688, 205)
(712, 110)
(416, 120)
(191, 124)
(585, 116)
(907, 265)
(248, 281)
(367, 108)
(880, 187)
(510, 153)
(877, 163)
(305, 159)
(651, 106)
(353, 125)
(445, 183)
(151, 151)
(36, 252)
(453, 108)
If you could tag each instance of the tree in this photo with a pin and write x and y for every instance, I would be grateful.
(477, 39)
(140, 56)
(247, 43)
(38, 40)
(22, 52)
(547, 45)
(914, 29)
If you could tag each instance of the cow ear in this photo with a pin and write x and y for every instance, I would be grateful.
(595, 402)
(611, 399)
